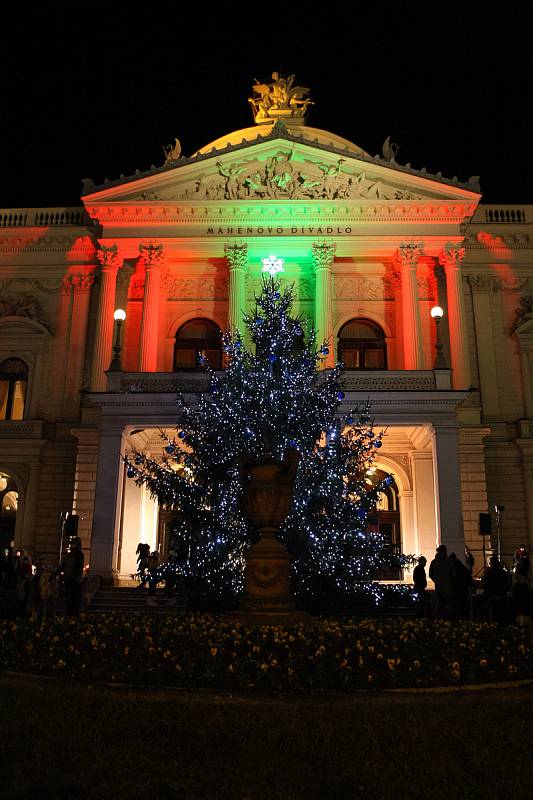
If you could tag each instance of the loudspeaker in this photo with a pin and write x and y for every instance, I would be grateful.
(71, 525)
(485, 524)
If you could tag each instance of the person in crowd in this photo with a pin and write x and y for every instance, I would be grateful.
(47, 592)
(143, 555)
(153, 563)
(521, 565)
(469, 560)
(34, 597)
(461, 587)
(420, 582)
(497, 584)
(72, 569)
(521, 600)
(24, 577)
(442, 574)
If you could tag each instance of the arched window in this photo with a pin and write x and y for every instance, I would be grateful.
(198, 336)
(362, 345)
(13, 383)
(385, 518)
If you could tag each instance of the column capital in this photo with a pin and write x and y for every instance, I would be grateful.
(80, 282)
(151, 255)
(236, 255)
(451, 256)
(323, 255)
(409, 254)
(108, 257)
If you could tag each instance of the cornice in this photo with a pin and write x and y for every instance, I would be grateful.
(296, 212)
(19, 243)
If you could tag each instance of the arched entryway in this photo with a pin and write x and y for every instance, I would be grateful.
(385, 517)
(9, 500)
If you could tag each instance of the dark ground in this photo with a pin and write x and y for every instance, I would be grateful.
(64, 740)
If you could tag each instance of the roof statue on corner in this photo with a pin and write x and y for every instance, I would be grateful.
(279, 99)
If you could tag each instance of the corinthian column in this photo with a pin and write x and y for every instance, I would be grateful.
(237, 256)
(323, 257)
(103, 338)
(152, 258)
(408, 256)
(451, 257)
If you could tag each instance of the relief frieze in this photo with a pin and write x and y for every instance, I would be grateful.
(281, 176)
(202, 288)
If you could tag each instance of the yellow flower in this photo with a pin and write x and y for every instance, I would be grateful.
(60, 663)
(391, 662)
(231, 668)
(126, 651)
(512, 668)
(416, 663)
(455, 674)
(379, 656)
(482, 662)
(166, 654)
(178, 668)
(370, 648)
(264, 667)
(344, 663)
(214, 651)
(274, 662)
(256, 648)
(290, 671)
(370, 677)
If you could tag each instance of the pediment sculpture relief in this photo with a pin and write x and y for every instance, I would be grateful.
(281, 177)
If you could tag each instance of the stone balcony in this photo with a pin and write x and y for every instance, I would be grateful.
(353, 381)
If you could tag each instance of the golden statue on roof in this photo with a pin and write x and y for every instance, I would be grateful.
(279, 99)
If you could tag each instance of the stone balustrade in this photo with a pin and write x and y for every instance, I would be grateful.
(371, 381)
(43, 217)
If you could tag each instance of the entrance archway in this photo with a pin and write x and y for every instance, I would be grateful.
(9, 502)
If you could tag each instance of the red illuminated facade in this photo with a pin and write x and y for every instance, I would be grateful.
(370, 245)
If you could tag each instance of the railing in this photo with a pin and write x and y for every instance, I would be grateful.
(43, 217)
(375, 381)
(504, 215)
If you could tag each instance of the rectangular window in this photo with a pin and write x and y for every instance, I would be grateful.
(4, 393)
(19, 396)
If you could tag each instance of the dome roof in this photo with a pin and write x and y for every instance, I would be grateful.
(255, 132)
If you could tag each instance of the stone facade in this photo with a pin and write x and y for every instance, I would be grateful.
(362, 238)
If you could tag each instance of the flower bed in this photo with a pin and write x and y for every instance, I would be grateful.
(206, 651)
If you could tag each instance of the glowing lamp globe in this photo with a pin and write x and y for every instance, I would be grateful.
(437, 312)
(119, 314)
(3, 483)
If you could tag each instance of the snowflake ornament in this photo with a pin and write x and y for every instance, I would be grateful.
(273, 264)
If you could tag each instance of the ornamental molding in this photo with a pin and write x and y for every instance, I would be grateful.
(236, 255)
(408, 255)
(483, 283)
(208, 288)
(82, 246)
(361, 288)
(108, 257)
(45, 285)
(451, 256)
(281, 176)
(151, 256)
(304, 288)
(323, 254)
(367, 382)
(235, 219)
(22, 305)
(79, 282)
(496, 243)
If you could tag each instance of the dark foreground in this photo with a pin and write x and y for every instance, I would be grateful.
(65, 740)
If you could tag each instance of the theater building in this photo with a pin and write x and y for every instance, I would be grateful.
(371, 247)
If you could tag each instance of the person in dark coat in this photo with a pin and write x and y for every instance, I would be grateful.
(469, 560)
(72, 569)
(461, 587)
(420, 582)
(496, 583)
(442, 574)
(521, 565)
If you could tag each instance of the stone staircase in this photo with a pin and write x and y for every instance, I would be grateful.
(131, 600)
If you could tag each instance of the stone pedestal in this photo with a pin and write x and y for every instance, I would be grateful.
(266, 576)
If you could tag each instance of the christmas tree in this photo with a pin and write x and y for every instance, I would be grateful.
(272, 395)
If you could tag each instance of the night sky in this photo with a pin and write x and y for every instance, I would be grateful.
(99, 96)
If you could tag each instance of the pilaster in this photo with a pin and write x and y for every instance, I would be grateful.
(80, 285)
(237, 257)
(103, 338)
(451, 258)
(108, 502)
(481, 286)
(153, 259)
(408, 256)
(323, 258)
(447, 492)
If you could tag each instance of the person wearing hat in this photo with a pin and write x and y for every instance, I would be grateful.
(420, 582)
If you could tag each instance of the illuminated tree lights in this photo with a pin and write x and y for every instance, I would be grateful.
(271, 396)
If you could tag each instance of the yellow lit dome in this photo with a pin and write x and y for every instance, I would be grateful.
(255, 132)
